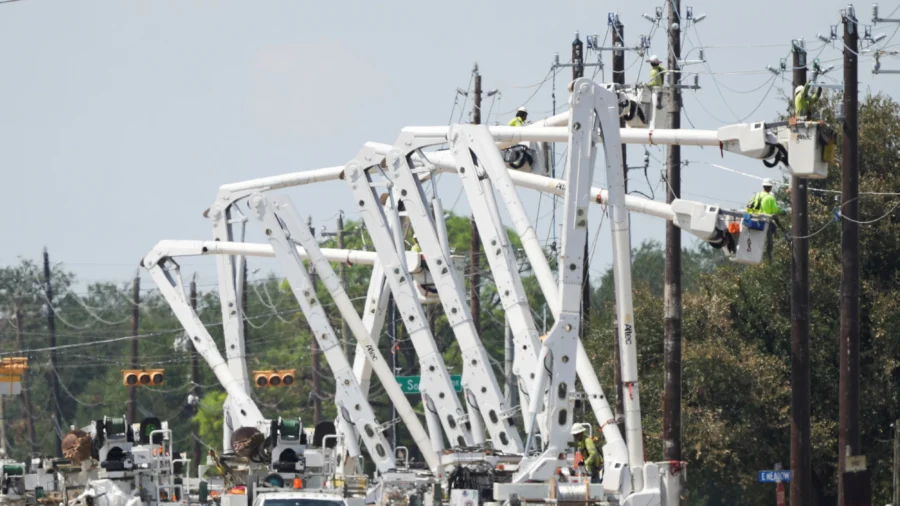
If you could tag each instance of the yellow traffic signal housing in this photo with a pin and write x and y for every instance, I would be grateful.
(12, 369)
(274, 378)
(143, 377)
(13, 366)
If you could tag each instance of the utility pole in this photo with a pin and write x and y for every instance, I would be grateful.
(618, 64)
(672, 302)
(801, 449)
(508, 351)
(392, 330)
(314, 346)
(577, 73)
(135, 324)
(896, 463)
(26, 393)
(342, 271)
(2, 425)
(244, 303)
(848, 440)
(195, 376)
(54, 377)
(475, 244)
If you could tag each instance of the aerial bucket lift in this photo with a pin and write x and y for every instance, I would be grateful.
(531, 157)
(641, 107)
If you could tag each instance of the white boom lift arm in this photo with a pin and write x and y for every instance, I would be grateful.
(283, 227)
(354, 409)
(481, 390)
(435, 385)
(166, 273)
(480, 193)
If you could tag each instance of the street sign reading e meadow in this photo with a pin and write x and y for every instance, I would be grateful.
(410, 384)
(774, 476)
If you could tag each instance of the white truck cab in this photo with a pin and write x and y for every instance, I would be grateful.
(306, 498)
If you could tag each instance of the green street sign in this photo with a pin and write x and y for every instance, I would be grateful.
(410, 384)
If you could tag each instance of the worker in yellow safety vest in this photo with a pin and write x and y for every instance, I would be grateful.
(656, 78)
(520, 119)
(587, 447)
(804, 100)
(764, 203)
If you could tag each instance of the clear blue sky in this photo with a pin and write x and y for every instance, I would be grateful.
(120, 119)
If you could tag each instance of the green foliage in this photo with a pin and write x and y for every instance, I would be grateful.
(209, 418)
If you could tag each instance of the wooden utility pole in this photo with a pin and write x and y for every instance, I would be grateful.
(475, 244)
(618, 64)
(392, 330)
(896, 462)
(672, 302)
(577, 73)
(3, 425)
(314, 346)
(801, 470)
(508, 355)
(135, 324)
(244, 304)
(342, 271)
(195, 376)
(54, 378)
(848, 440)
(26, 393)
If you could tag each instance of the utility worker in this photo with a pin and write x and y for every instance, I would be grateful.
(656, 72)
(521, 117)
(415, 247)
(593, 459)
(804, 100)
(656, 78)
(764, 203)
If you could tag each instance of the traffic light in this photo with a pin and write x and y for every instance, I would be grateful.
(11, 371)
(143, 377)
(13, 366)
(274, 378)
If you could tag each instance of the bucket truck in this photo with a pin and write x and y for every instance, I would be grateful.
(279, 454)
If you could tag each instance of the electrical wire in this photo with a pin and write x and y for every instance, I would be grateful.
(869, 222)
(719, 90)
(118, 339)
(739, 120)
(550, 75)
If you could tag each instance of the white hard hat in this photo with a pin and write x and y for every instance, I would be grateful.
(798, 89)
(768, 182)
(577, 428)
(653, 59)
(522, 109)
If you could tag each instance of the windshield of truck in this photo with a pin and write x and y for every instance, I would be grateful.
(305, 501)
